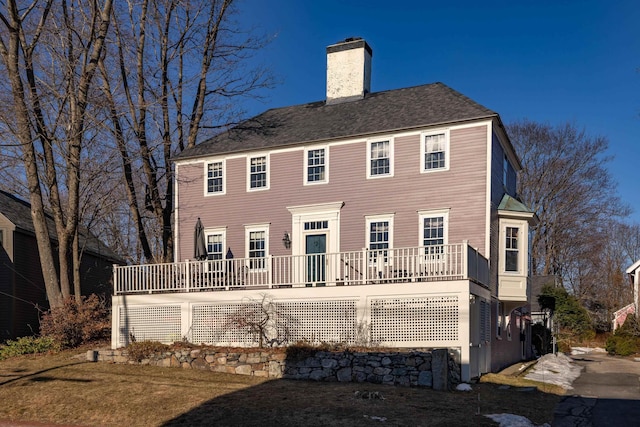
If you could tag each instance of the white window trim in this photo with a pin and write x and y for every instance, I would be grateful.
(268, 172)
(433, 214)
(248, 229)
(378, 218)
(305, 172)
(390, 139)
(522, 246)
(213, 231)
(206, 178)
(447, 152)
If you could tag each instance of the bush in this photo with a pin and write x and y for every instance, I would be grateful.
(144, 349)
(626, 340)
(27, 345)
(622, 345)
(75, 323)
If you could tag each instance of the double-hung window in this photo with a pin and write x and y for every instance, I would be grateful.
(433, 237)
(380, 158)
(435, 151)
(316, 166)
(379, 237)
(215, 178)
(511, 255)
(258, 168)
(215, 246)
(257, 246)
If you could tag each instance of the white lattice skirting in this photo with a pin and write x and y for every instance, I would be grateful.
(420, 315)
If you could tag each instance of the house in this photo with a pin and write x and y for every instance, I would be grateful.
(22, 290)
(393, 213)
(621, 315)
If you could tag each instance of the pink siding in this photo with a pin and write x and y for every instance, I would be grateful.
(462, 189)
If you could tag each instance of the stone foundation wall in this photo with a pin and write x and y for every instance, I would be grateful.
(434, 369)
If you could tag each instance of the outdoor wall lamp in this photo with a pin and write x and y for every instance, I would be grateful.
(286, 240)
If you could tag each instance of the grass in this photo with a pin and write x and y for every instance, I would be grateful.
(62, 388)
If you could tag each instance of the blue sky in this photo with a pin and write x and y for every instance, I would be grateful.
(547, 61)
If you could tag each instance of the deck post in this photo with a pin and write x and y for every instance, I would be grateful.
(465, 259)
(116, 282)
(187, 272)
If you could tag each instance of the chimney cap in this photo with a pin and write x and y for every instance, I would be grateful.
(350, 43)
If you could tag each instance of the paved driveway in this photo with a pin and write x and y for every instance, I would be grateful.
(607, 393)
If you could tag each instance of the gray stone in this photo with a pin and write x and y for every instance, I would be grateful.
(359, 377)
(243, 369)
(385, 361)
(440, 369)
(92, 356)
(388, 379)
(317, 375)
(275, 369)
(382, 371)
(312, 362)
(344, 375)
(344, 362)
(329, 363)
(200, 363)
(425, 379)
(399, 371)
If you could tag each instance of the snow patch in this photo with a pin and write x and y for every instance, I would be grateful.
(463, 387)
(586, 350)
(556, 369)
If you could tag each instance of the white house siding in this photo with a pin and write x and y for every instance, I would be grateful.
(461, 189)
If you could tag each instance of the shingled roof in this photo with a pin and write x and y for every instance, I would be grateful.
(379, 112)
(18, 212)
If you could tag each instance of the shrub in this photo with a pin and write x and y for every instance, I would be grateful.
(622, 345)
(75, 323)
(145, 349)
(27, 345)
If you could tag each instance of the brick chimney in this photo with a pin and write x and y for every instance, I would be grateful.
(348, 70)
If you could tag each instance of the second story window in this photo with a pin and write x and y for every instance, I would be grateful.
(435, 152)
(215, 178)
(379, 156)
(511, 249)
(316, 166)
(258, 171)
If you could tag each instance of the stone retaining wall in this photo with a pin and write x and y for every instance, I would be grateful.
(435, 369)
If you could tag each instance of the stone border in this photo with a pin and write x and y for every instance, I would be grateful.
(433, 369)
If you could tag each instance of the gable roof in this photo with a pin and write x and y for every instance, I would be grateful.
(379, 112)
(18, 212)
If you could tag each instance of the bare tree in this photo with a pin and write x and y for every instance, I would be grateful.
(566, 182)
(262, 319)
(180, 68)
(50, 54)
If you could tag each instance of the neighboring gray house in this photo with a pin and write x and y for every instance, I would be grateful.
(21, 283)
(394, 210)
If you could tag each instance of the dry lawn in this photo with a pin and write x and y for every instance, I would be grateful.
(64, 389)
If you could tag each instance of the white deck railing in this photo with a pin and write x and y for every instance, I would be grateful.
(418, 264)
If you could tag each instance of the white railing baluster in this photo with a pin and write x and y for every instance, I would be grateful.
(444, 262)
